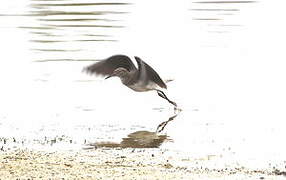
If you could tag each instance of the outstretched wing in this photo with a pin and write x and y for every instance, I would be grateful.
(147, 74)
(107, 66)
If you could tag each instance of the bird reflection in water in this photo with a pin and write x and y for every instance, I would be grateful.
(163, 124)
(138, 139)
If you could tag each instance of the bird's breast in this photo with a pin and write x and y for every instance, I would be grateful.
(141, 87)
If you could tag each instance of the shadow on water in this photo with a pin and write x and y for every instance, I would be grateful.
(138, 139)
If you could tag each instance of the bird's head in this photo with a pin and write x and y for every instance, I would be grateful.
(119, 72)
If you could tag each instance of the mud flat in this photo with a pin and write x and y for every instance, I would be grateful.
(124, 163)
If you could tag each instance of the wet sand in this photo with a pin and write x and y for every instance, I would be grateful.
(118, 163)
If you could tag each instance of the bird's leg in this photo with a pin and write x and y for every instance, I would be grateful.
(163, 95)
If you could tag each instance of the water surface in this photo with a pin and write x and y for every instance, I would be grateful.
(225, 57)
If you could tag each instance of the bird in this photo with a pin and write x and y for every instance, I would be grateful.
(141, 79)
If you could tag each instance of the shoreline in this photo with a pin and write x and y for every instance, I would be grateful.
(121, 163)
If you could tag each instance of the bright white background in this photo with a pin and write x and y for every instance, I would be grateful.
(229, 80)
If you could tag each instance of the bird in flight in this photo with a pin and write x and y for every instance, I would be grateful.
(145, 78)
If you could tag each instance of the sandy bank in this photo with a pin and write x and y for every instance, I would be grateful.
(119, 164)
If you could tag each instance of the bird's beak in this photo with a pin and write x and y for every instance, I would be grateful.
(109, 76)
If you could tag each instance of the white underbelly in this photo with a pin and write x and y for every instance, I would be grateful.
(140, 87)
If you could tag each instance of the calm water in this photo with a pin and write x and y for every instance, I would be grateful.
(226, 57)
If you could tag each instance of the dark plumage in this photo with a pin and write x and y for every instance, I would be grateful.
(145, 78)
(107, 66)
(151, 73)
